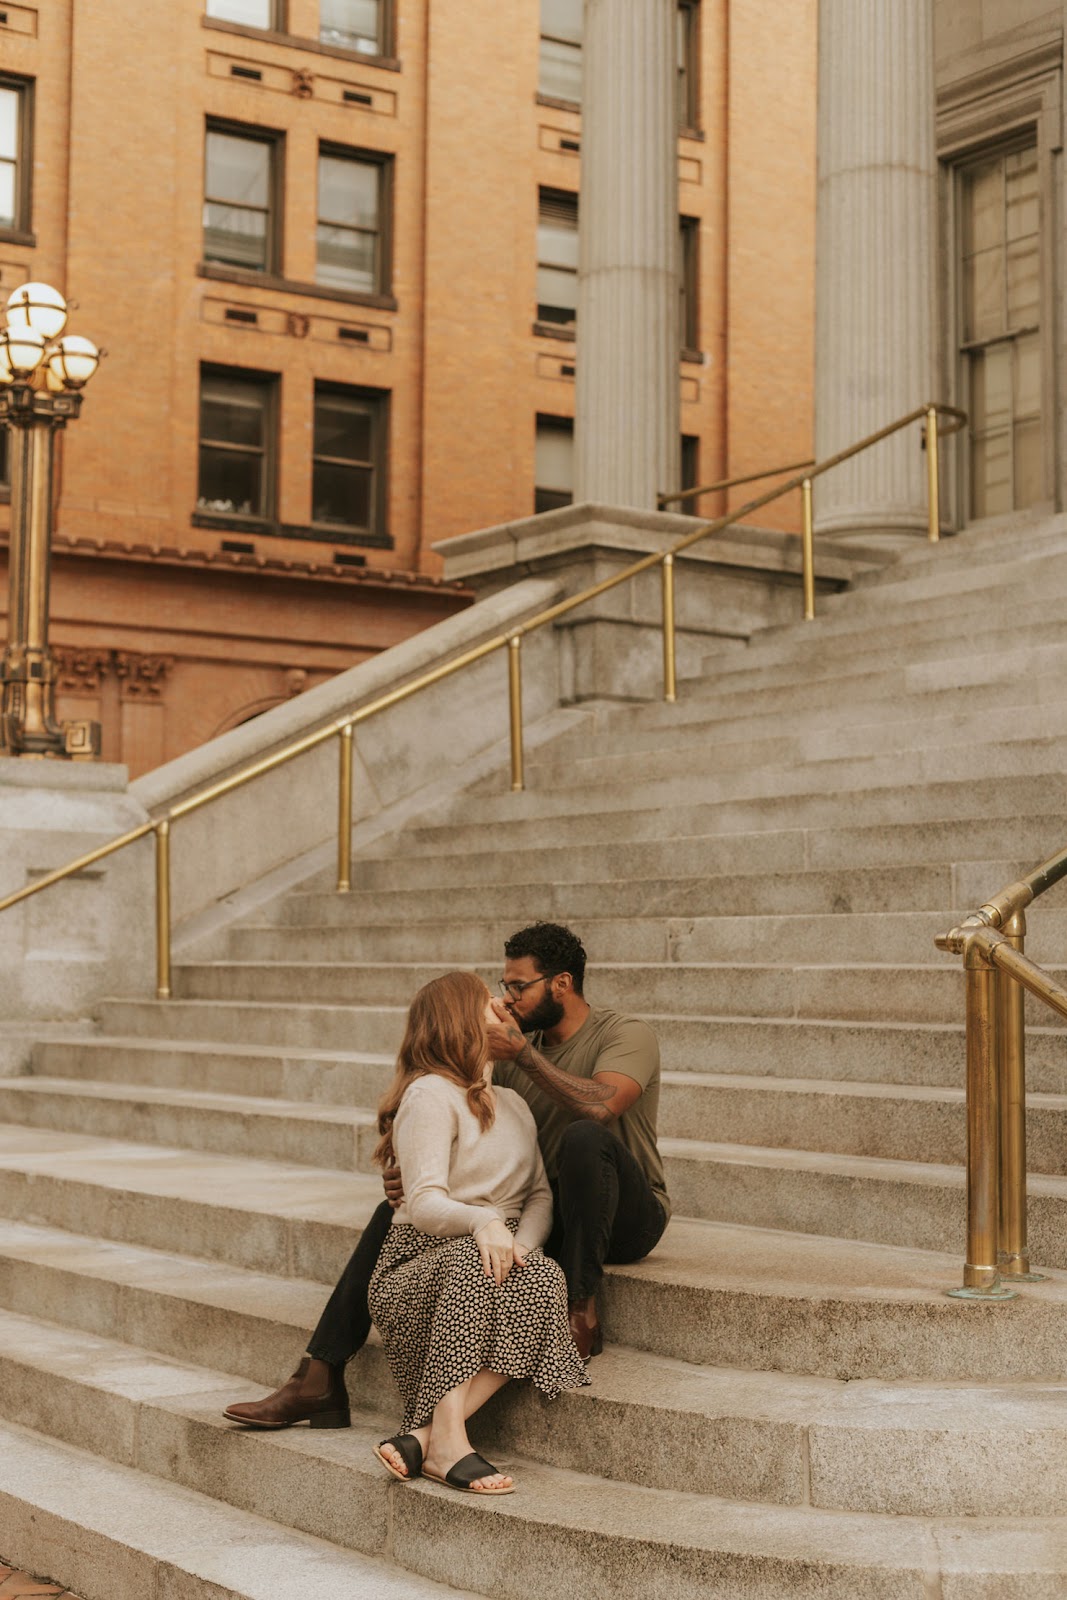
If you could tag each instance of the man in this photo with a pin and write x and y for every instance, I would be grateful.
(591, 1079)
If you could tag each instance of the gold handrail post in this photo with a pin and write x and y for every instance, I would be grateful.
(933, 481)
(344, 811)
(808, 543)
(669, 682)
(1014, 1253)
(981, 1276)
(515, 708)
(163, 910)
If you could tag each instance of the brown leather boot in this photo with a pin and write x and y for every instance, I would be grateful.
(585, 1329)
(315, 1393)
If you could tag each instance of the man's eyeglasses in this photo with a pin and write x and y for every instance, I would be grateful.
(515, 990)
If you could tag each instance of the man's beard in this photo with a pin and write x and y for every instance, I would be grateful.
(546, 1014)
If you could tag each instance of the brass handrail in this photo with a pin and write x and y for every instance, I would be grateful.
(665, 500)
(991, 941)
(342, 727)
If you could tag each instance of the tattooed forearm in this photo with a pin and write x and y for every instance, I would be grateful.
(584, 1096)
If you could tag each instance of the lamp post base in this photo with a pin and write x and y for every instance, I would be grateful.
(70, 741)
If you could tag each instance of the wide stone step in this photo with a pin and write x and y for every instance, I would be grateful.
(908, 736)
(333, 1136)
(720, 1295)
(929, 887)
(911, 1203)
(904, 1449)
(810, 711)
(316, 1077)
(116, 1533)
(680, 856)
(852, 780)
(533, 818)
(888, 1121)
(625, 1540)
(862, 992)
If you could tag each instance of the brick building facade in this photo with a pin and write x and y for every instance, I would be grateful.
(330, 248)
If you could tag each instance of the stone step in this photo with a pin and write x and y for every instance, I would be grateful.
(902, 1449)
(713, 1294)
(312, 1077)
(893, 936)
(117, 1533)
(890, 1121)
(908, 736)
(771, 661)
(852, 780)
(439, 864)
(483, 821)
(890, 1052)
(862, 992)
(811, 710)
(911, 1203)
(626, 1540)
(924, 887)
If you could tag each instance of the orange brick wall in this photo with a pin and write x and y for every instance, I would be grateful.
(122, 96)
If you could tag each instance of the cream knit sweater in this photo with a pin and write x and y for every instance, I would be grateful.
(457, 1178)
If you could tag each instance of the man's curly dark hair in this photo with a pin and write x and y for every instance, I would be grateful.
(552, 947)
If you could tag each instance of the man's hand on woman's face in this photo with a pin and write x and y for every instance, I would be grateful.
(506, 1038)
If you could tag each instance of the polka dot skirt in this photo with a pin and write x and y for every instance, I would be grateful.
(442, 1320)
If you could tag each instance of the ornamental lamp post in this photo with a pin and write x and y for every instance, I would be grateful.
(41, 378)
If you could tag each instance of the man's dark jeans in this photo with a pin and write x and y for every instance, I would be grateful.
(604, 1212)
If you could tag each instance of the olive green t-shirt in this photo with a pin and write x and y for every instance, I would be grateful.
(607, 1041)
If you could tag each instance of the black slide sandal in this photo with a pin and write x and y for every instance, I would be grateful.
(467, 1471)
(409, 1450)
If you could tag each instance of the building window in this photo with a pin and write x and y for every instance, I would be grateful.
(557, 258)
(690, 470)
(1000, 344)
(242, 173)
(560, 76)
(348, 466)
(689, 252)
(237, 444)
(16, 122)
(352, 235)
(353, 25)
(249, 13)
(554, 463)
(688, 24)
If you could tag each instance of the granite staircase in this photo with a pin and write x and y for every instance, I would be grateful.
(789, 1404)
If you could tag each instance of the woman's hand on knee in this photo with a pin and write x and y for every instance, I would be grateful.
(520, 1252)
(497, 1250)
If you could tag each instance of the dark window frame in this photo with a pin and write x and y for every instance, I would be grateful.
(385, 162)
(567, 203)
(689, 284)
(689, 120)
(274, 139)
(545, 497)
(379, 405)
(21, 229)
(269, 384)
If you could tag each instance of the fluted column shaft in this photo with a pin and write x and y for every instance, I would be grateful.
(627, 445)
(875, 320)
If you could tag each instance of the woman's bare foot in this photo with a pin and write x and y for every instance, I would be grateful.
(391, 1454)
(444, 1452)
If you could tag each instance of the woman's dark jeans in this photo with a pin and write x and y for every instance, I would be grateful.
(604, 1211)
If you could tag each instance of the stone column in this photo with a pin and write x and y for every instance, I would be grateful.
(875, 320)
(627, 445)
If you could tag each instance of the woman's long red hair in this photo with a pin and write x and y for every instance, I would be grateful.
(445, 1035)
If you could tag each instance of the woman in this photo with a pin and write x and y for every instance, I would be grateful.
(462, 1294)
